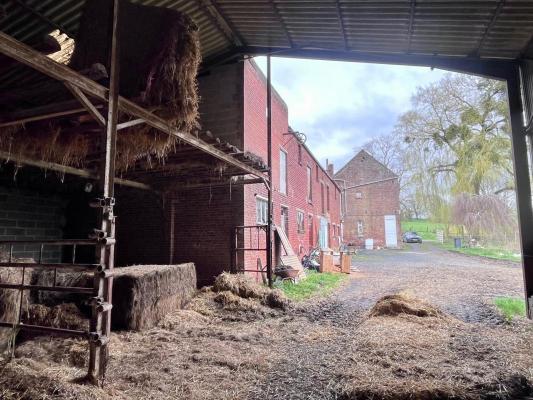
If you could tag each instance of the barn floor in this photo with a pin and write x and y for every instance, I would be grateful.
(322, 349)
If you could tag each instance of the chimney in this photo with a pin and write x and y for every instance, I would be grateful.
(329, 168)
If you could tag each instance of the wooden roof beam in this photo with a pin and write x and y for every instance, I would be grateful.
(212, 10)
(411, 25)
(341, 25)
(495, 15)
(27, 56)
(282, 23)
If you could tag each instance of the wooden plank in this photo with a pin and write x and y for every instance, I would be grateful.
(284, 240)
(86, 103)
(26, 55)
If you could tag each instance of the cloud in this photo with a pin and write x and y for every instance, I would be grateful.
(341, 105)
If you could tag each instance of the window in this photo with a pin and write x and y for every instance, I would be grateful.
(285, 220)
(327, 197)
(300, 154)
(358, 195)
(261, 211)
(282, 172)
(309, 185)
(316, 173)
(300, 221)
(322, 197)
(360, 228)
(311, 233)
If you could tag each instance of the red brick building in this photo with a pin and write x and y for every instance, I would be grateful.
(372, 202)
(197, 224)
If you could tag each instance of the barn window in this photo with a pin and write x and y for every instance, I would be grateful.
(282, 172)
(261, 210)
(309, 185)
(300, 220)
(327, 197)
(360, 228)
(300, 154)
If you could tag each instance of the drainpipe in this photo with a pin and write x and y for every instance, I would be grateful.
(269, 162)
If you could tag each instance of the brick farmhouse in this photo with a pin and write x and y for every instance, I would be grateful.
(372, 202)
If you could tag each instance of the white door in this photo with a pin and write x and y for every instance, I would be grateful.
(323, 233)
(391, 240)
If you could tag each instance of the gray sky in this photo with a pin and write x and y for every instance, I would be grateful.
(340, 105)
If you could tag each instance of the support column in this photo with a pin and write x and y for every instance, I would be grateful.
(522, 182)
(105, 249)
(269, 162)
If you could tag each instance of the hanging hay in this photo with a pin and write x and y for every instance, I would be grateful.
(159, 60)
(144, 294)
(397, 304)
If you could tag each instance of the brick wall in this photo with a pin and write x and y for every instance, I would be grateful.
(29, 215)
(298, 158)
(203, 228)
(370, 203)
(221, 110)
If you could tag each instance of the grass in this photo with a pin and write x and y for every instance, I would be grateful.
(314, 284)
(511, 307)
(425, 228)
(488, 252)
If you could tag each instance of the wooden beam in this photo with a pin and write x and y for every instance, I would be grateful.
(86, 103)
(495, 15)
(282, 22)
(410, 29)
(40, 117)
(84, 173)
(49, 67)
(212, 10)
(128, 124)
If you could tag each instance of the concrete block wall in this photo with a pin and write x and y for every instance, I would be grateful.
(29, 215)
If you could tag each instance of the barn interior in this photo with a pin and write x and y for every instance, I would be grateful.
(74, 125)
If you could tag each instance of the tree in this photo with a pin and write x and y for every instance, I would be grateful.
(463, 122)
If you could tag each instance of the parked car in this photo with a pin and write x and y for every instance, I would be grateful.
(411, 237)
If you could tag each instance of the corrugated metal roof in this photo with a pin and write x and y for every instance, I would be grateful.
(473, 28)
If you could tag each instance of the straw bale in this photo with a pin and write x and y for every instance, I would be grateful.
(239, 284)
(396, 304)
(66, 316)
(159, 60)
(144, 294)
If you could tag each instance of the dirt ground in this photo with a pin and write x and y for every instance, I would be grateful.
(320, 349)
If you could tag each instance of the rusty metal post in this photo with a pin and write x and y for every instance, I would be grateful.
(269, 163)
(103, 282)
(522, 171)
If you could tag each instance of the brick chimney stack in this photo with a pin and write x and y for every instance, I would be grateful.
(329, 168)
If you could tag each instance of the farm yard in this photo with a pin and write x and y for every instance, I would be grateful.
(440, 336)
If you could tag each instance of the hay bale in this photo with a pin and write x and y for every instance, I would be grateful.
(242, 286)
(65, 316)
(144, 294)
(397, 304)
(239, 284)
(159, 60)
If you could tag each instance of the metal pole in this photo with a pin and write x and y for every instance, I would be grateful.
(269, 162)
(522, 173)
(101, 307)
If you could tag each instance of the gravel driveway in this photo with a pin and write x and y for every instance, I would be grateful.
(461, 285)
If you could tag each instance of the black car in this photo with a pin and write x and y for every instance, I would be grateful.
(411, 237)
